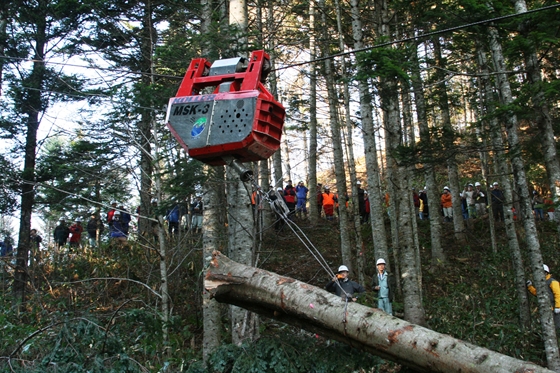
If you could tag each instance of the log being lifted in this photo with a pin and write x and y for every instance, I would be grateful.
(313, 309)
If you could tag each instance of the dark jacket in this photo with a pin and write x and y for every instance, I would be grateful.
(390, 283)
(92, 226)
(349, 287)
(61, 233)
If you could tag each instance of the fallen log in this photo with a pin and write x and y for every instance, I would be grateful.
(313, 309)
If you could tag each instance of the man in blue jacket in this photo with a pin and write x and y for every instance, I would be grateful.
(301, 193)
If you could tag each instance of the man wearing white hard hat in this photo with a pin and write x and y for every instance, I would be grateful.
(480, 200)
(553, 294)
(383, 285)
(447, 205)
(342, 286)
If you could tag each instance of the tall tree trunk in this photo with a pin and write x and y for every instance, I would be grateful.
(388, 93)
(240, 228)
(359, 243)
(213, 238)
(240, 217)
(531, 237)
(377, 216)
(438, 256)
(313, 207)
(144, 137)
(338, 156)
(30, 108)
(214, 234)
(501, 169)
(372, 330)
(277, 157)
(542, 110)
(449, 143)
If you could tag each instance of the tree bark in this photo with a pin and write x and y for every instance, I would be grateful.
(315, 310)
(213, 238)
(525, 211)
(449, 138)
(438, 256)
(377, 217)
(31, 107)
(541, 108)
(314, 212)
(398, 180)
(338, 156)
(240, 229)
(354, 208)
(501, 168)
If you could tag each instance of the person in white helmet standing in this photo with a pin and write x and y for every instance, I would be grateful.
(342, 286)
(480, 200)
(447, 205)
(553, 294)
(383, 285)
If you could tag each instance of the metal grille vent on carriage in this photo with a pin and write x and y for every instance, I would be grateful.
(239, 119)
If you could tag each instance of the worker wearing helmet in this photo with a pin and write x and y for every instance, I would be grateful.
(480, 199)
(383, 285)
(342, 286)
(468, 196)
(61, 233)
(329, 201)
(447, 205)
(553, 287)
(118, 229)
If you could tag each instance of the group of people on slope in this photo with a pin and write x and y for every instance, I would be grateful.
(328, 202)
(383, 285)
(474, 202)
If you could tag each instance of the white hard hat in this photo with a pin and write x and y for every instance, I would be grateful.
(117, 213)
(358, 182)
(470, 184)
(380, 261)
(545, 267)
(342, 268)
(78, 220)
(495, 183)
(326, 187)
(445, 188)
(154, 200)
(279, 189)
(113, 202)
(477, 184)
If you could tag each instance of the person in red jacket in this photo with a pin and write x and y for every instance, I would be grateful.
(76, 230)
(111, 213)
(447, 205)
(290, 198)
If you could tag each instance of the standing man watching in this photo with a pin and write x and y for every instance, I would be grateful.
(383, 285)
(497, 202)
(301, 193)
(345, 286)
(553, 294)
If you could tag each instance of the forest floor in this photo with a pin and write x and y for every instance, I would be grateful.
(81, 310)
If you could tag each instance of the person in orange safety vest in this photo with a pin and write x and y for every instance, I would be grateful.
(329, 201)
